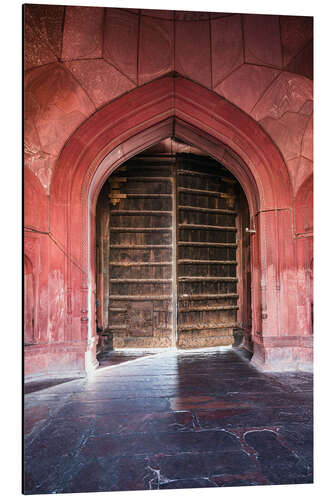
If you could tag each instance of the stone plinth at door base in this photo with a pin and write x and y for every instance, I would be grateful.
(288, 353)
(91, 363)
(60, 360)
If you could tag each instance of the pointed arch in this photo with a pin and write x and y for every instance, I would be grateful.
(175, 107)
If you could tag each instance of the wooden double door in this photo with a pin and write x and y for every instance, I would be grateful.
(172, 269)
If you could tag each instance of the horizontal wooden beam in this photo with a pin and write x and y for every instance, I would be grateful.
(206, 244)
(117, 196)
(140, 212)
(140, 280)
(137, 264)
(116, 178)
(207, 210)
(205, 192)
(149, 195)
(124, 229)
(125, 309)
(138, 247)
(206, 174)
(224, 262)
(206, 327)
(209, 308)
(207, 227)
(206, 278)
(202, 296)
(145, 179)
(140, 297)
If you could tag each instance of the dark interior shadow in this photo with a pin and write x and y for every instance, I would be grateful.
(111, 358)
(238, 345)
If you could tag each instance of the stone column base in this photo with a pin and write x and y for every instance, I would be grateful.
(91, 363)
(60, 360)
(288, 353)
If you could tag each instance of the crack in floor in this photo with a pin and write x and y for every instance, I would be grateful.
(191, 432)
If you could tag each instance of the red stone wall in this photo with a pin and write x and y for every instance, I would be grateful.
(50, 350)
(79, 59)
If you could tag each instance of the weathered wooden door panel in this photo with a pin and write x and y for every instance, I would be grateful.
(206, 257)
(140, 313)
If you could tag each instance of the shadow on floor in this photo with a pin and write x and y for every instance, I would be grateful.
(39, 385)
(181, 419)
(112, 358)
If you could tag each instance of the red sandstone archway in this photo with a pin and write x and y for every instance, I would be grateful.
(176, 107)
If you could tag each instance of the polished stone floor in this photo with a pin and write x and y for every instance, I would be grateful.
(170, 420)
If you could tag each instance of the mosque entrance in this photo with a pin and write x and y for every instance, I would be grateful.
(173, 254)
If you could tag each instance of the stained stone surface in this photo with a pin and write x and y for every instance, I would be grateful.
(262, 40)
(156, 48)
(55, 104)
(100, 80)
(296, 33)
(261, 63)
(286, 94)
(82, 37)
(192, 50)
(170, 420)
(246, 85)
(43, 34)
(120, 41)
(227, 46)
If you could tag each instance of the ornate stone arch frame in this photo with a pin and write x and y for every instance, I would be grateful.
(173, 106)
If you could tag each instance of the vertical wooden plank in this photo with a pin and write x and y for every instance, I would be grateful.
(174, 257)
(206, 260)
(141, 253)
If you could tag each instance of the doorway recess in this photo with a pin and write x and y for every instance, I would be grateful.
(171, 271)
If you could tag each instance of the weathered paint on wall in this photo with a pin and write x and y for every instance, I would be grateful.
(75, 88)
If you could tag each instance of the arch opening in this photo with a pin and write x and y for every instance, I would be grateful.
(172, 253)
(178, 108)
